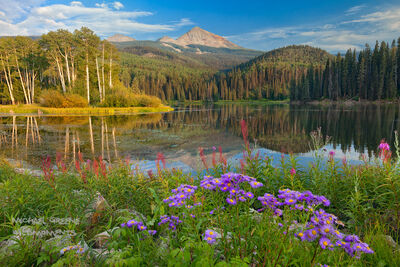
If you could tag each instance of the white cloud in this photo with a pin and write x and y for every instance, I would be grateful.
(15, 9)
(76, 3)
(118, 5)
(184, 22)
(104, 19)
(102, 5)
(335, 36)
(354, 9)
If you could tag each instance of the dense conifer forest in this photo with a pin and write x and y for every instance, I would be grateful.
(371, 74)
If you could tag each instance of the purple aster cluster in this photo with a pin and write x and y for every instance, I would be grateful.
(78, 248)
(322, 228)
(172, 221)
(181, 194)
(210, 236)
(294, 199)
(129, 224)
(230, 182)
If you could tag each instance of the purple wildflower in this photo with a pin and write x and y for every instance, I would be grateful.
(210, 236)
(231, 201)
(255, 184)
(325, 243)
(249, 195)
(141, 227)
(152, 232)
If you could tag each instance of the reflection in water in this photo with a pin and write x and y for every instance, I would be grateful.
(179, 134)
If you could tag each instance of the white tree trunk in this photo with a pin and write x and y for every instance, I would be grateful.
(73, 71)
(8, 80)
(61, 74)
(33, 87)
(102, 71)
(67, 66)
(21, 79)
(87, 77)
(98, 79)
(111, 71)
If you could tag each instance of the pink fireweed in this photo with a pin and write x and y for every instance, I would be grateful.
(203, 157)
(160, 157)
(384, 146)
(331, 155)
(214, 162)
(384, 151)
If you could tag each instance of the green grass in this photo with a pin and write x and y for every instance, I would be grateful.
(34, 109)
(365, 198)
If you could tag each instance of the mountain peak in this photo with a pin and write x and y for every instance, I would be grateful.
(166, 39)
(198, 36)
(202, 37)
(119, 38)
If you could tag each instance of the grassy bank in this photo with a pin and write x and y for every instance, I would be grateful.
(35, 110)
(290, 215)
(222, 102)
(342, 102)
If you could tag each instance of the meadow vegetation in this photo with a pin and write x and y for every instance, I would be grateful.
(328, 213)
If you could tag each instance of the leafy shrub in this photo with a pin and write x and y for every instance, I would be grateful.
(147, 101)
(74, 100)
(51, 98)
(55, 99)
(122, 97)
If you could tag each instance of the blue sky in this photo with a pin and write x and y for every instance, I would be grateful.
(264, 25)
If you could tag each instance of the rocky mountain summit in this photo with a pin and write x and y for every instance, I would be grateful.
(198, 36)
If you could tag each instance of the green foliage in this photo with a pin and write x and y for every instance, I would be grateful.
(75, 63)
(122, 97)
(363, 197)
(55, 99)
(175, 78)
(210, 57)
(372, 75)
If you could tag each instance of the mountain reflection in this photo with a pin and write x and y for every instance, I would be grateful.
(179, 134)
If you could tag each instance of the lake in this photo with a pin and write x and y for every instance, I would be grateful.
(354, 130)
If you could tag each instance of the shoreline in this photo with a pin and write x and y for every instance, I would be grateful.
(222, 102)
(344, 102)
(9, 110)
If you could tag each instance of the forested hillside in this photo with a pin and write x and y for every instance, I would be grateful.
(372, 75)
(268, 76)
(175, 77)
(216, 58)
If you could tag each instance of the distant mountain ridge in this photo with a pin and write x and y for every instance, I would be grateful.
(198, 36)
(119, 38)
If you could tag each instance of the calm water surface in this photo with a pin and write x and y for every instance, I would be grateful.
(354, 130)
